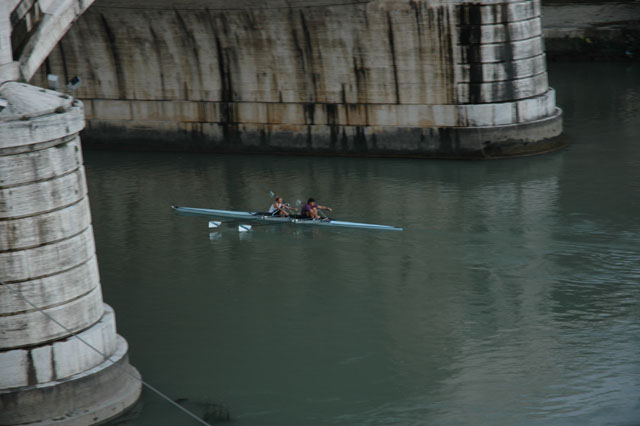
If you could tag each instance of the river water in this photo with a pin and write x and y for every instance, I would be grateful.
(511, 298)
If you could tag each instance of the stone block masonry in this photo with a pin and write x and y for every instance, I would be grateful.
(48, 266)
(444, 78)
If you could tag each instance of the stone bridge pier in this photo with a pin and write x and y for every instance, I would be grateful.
(436, 78)
(49, 283)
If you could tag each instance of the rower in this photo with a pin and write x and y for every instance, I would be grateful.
(279, 208)
(310, 210)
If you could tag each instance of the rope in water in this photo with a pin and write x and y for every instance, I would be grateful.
(107, 358)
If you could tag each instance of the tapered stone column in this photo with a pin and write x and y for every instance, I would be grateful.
(47, 260)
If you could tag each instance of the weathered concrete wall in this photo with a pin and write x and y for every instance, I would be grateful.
(437, 78)
(47, 259)
(599, 30)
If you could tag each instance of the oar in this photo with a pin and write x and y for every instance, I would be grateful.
(216, 223)
(321, 213)
(324, 216)
(298, 202)
(244, 228)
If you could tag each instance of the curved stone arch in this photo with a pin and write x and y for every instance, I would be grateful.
(42, 24)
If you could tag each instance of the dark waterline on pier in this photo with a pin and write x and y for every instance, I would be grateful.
(512, 296)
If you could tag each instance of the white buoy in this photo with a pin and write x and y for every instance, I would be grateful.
(214, 224)
(244, 228)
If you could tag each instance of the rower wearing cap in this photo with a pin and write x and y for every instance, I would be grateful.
(310, 210)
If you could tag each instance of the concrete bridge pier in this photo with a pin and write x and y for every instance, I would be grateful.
(48, 261)
(413, 78)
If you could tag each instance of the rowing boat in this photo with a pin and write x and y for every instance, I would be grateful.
(265, 217)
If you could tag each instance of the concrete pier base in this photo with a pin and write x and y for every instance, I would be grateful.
(50, 289)
(90, 397)
(481, 142)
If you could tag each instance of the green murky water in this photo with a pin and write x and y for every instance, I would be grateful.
(512, 296)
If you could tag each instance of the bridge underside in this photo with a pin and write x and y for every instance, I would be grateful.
(30, 29)
(376, 77)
